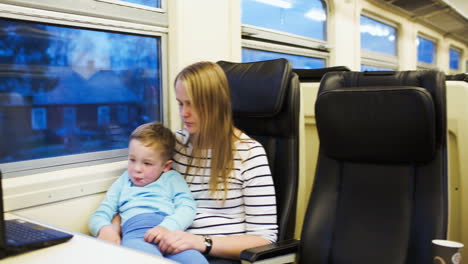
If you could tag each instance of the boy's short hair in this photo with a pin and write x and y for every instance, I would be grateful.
(156, 136)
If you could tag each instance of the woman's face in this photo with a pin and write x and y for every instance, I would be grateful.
(186, 111)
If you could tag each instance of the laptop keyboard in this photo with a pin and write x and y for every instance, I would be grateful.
(16, 232)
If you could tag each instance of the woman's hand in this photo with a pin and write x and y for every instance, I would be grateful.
(177, 241)
(108, 233)
(116, 222)
(155, 234)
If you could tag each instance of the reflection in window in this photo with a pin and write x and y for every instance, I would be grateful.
(122, 114)
(426, 50)
(38, 118)
(374, 68)
(301, 17)
(377, 36)
(150, 3)
(454, 59)
(66, 90)
(298, 62)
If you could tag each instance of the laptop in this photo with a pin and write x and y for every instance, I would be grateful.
(19, 236)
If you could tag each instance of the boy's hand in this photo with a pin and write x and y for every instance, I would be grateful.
(155, 234)
(108, 233)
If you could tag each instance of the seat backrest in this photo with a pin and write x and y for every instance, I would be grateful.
(265, 102)
(315, 75)
(380, 189)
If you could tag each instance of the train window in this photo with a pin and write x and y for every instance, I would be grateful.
(285, 24)
(70, 95)
(303, 18)
(378, 44)
(374, 68)
(454, 56)
(426, 50)
(377, 36)
(297, 61)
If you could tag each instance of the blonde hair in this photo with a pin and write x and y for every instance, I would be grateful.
(208, 89)
(156, 136)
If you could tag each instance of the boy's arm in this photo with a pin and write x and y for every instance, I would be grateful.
(185, 205)
(107, 209)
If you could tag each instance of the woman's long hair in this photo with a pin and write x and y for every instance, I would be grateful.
(208, 89)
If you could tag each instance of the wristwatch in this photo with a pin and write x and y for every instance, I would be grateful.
(208, 244)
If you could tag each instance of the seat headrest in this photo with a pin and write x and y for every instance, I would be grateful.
(391, 124)
(263, 83)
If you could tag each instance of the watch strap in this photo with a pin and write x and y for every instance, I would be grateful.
(208, 244)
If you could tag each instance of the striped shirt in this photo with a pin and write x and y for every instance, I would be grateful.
(250, 205)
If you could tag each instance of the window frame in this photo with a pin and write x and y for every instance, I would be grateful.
(259, 38)
(28, 167)
(378, 59)
(123, 3)
(423, 65)
(113, 10)
(272, 47)
(270, 35)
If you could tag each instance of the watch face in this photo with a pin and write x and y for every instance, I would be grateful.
(208, 241)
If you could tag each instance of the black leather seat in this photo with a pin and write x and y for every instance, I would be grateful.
(380, 189)
(265, 101)
(315, 75)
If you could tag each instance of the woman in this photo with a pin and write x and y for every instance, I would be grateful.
(226, 170)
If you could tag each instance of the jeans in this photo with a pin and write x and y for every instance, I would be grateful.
(133, 233)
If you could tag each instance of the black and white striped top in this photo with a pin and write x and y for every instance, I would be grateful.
(250, 206)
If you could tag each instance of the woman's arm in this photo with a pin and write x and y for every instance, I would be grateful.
(258, 191)
(232, 246)
(117, 224)
(223, 246)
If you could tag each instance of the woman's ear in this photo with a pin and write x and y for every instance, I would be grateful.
(167, 166)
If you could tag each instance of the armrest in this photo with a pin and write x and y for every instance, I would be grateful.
(270, 251)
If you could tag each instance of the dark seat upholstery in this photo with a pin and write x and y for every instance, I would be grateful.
(315, 75)
(265, 101)
(380, 190)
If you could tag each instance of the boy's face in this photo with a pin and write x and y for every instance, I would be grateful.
(144, 164)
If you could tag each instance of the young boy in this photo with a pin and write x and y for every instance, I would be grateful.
(151, 198)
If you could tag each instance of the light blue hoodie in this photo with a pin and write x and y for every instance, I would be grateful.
(168, 195)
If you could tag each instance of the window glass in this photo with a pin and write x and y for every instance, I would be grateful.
(151, 3)
(374, 68)
(301, 17)
(426, 50)
(454, 59)
(67, 90)
(377, 36)
(298, 62)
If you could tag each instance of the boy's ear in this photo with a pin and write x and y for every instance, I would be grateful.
(167, 165)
